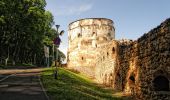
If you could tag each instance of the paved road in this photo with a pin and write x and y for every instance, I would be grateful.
(21, 86)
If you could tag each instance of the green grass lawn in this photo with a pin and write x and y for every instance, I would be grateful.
(72, 86)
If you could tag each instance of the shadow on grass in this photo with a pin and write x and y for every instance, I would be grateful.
(71, 86)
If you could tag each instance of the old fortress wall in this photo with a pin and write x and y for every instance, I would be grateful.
(140, 67)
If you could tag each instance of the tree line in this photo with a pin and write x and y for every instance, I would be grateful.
(25, 27)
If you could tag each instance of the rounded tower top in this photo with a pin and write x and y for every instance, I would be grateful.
(86, 19)
(89, 26)
(90, 31)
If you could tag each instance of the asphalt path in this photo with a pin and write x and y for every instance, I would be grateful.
(21, 85)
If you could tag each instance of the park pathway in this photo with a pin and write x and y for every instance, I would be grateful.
(21, 84)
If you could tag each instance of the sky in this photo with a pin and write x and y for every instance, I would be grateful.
(132, 18)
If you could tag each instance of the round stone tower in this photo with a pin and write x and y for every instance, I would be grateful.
(90, 32)
(85, 36)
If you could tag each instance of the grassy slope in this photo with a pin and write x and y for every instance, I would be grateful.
(71, 86)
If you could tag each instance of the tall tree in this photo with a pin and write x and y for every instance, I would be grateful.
(25, 26)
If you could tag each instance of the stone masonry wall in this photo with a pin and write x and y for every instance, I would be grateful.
(145, 65)
(86, 37)
(124, 52)
(140, 67)
(154, 61)
(106, 63)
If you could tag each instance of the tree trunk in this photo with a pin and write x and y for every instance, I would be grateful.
(6, 62)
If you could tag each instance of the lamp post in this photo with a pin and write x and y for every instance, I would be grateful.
(57, 27)
(57, 43)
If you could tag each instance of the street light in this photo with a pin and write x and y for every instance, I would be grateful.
(57, 26)
(56, 62)
(57, 43)
(58, 34)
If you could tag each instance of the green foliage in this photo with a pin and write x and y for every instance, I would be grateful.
(71, 86)
(61, 56)
(25, 27)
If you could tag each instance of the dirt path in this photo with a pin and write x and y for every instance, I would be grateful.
(21, 84)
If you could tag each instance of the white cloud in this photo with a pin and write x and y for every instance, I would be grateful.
(73, 10)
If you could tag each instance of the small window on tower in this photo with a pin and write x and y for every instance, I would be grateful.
(94, 34)
(107, 54)
(79, 35)
(113, 50)
(109, 34)
(96, 45)
(103, 58)
(132, 78)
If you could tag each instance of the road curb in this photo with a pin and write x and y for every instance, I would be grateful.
(3, 86)
(43, 88)
(6, 77)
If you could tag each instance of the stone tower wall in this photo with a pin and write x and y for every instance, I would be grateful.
(86, 36)
(90, 32)
(106, 63)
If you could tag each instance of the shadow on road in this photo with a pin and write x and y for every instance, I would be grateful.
(23, 84)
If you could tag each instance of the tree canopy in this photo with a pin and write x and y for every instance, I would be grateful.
(25, 27)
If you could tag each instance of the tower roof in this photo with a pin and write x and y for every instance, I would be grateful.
(91, 18)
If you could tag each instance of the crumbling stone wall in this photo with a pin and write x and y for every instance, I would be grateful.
(154, 61)
(145, 65)
(124, 58)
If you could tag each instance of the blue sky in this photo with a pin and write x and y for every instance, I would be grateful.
(132, 18)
